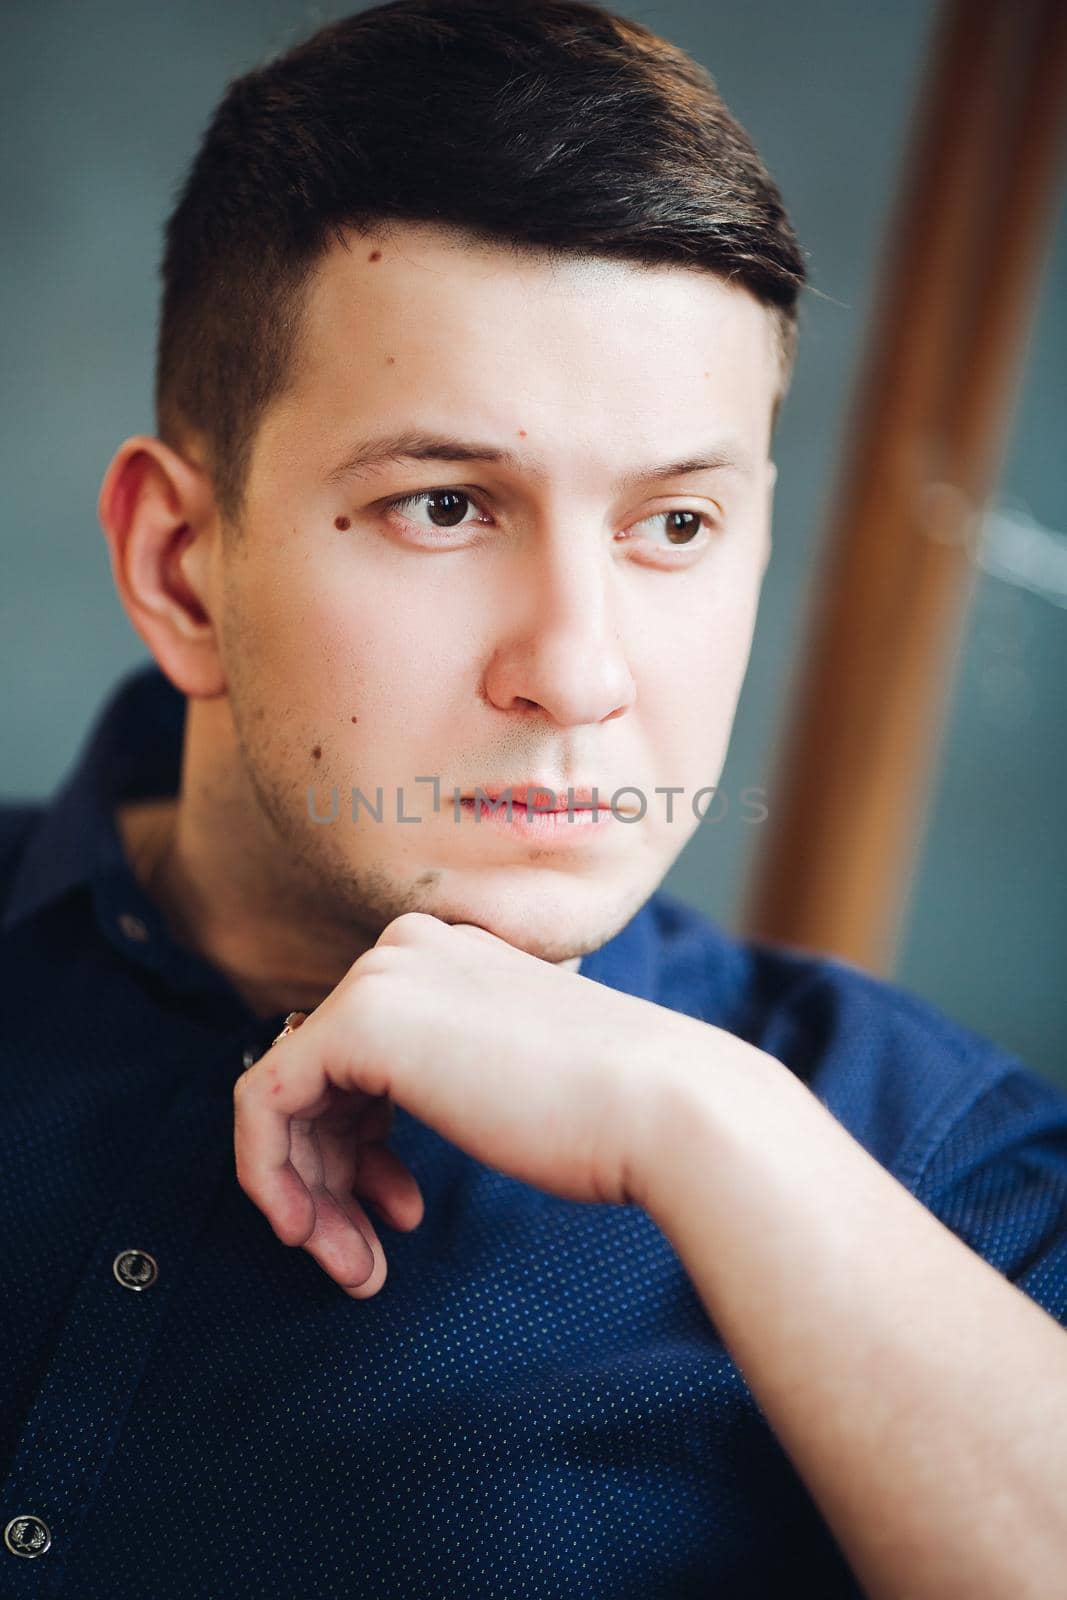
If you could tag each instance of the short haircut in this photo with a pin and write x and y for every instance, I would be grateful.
(555, 127)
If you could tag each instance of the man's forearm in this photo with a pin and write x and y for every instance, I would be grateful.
(921, 1397)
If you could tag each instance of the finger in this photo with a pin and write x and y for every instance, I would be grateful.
(342, 1239)
(374, 1123)
(384, 1180)
(267, 1175)
(345, 1243)
(345, 1153)
(370, 1173)
(289, 1080)
(326, 1158)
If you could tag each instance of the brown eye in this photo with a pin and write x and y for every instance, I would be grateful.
(446, 508)
(682, 526)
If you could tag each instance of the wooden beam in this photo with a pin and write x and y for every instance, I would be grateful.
(933, 403)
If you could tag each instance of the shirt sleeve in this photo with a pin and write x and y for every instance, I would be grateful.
(999, 1181)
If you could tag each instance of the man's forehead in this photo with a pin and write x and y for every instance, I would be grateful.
(422, 354)
(431, 245)
(429, 260)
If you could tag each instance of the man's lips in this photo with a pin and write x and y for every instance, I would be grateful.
(545, 798)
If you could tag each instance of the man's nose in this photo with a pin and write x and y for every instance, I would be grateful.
(562, 644)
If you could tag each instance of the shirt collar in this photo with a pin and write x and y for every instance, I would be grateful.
(133, 751)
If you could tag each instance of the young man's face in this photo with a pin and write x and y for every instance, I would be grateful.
(563, 615)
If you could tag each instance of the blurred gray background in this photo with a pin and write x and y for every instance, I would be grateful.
(101, 106)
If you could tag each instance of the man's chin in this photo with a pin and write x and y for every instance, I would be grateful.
(553, 932)
(556, 918)
(556, 951)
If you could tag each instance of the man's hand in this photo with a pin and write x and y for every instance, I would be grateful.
(534, 1070)
(921, 1397)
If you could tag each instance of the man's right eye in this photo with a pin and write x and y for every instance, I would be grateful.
(445, 507)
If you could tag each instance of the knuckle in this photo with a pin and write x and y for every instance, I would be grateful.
(369, 998)
(360, 1003)
(372, 962)
(475, 929)
(407, 926)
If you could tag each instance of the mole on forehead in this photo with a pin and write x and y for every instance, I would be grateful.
(555, 259)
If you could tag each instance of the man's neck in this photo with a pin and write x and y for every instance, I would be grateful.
(152, 839)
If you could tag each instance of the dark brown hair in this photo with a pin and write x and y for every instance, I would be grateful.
(552, 126)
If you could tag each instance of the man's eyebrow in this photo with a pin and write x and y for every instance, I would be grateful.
(414, 445)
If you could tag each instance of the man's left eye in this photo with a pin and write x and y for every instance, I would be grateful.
(682, 526)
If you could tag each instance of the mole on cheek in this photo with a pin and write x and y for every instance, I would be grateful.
(342, 523)
(390, 361)
(355, 719)
(316, 753)
(375, 255)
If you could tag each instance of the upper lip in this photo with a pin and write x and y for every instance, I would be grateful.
(584, 794)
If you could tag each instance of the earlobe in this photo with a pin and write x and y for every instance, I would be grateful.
(158, 516)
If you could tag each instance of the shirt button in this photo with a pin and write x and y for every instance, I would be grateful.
(135, 1269)
(133, 927)
(27, 1536)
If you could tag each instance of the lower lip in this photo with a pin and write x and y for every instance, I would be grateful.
(555, 826)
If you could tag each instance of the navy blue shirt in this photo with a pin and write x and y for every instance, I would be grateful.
(536, 1402)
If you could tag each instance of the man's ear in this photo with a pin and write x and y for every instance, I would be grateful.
(158, 513)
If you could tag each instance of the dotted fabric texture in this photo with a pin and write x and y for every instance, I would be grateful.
(536, 1403)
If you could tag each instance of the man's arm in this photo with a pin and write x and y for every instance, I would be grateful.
(921, 1397)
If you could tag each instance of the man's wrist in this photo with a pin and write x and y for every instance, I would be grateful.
(711, 1096)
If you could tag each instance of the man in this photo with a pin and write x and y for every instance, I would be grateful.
(712, 1267)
